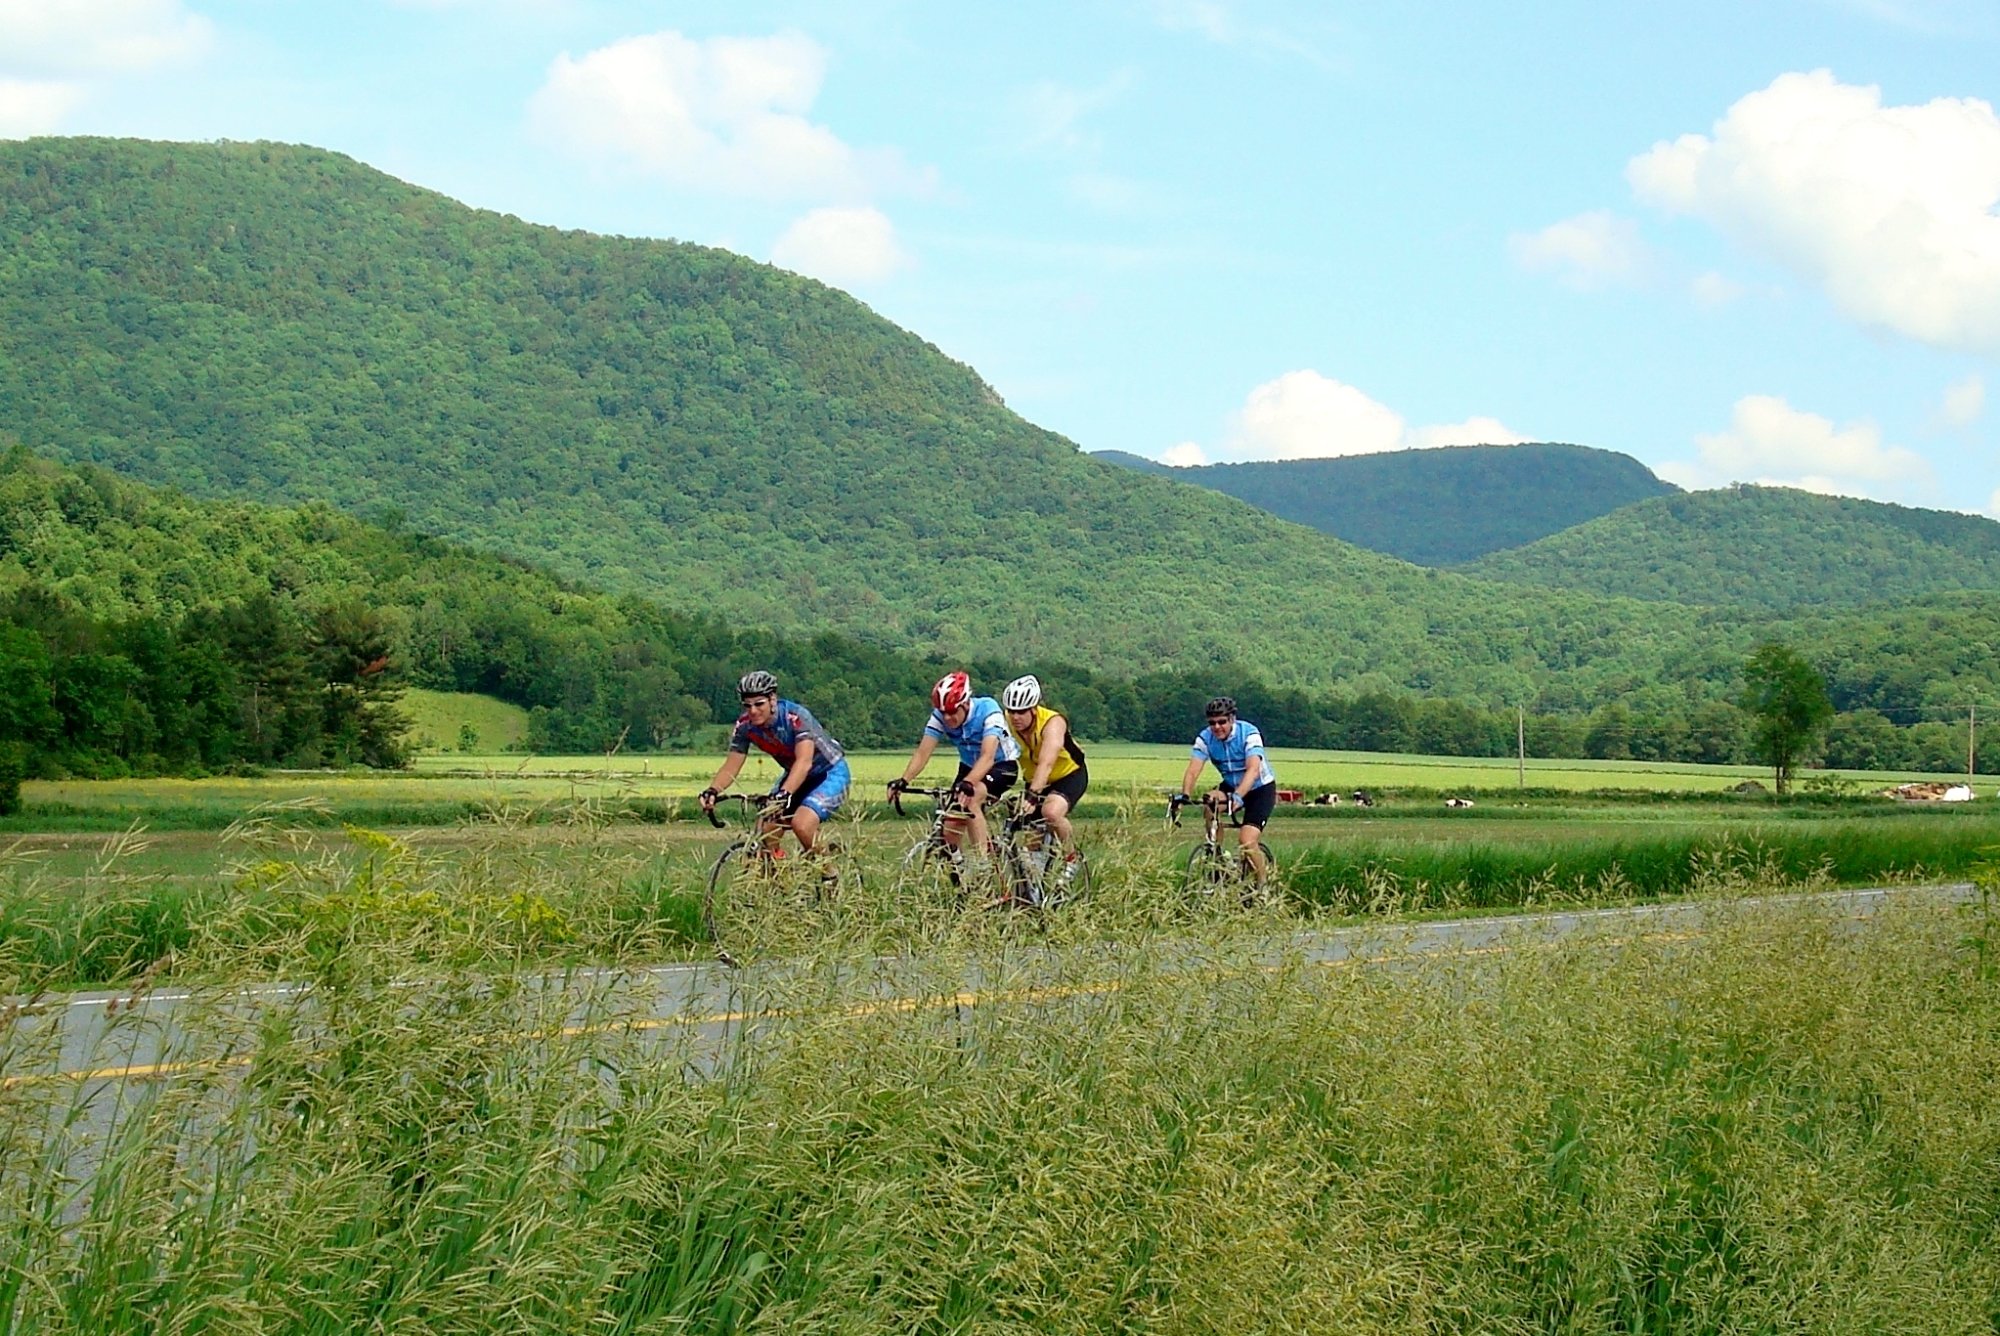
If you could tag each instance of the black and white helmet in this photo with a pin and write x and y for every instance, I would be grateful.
(757, 682)
(1023, 693)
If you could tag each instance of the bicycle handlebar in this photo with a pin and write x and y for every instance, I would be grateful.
(1215, 799)
(759, 801)
(935, 795)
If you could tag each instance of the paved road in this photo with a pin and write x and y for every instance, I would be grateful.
(94, 1040)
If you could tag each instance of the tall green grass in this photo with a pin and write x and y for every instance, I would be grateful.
(1788, 1125)
(1393, 876)
(286, 897)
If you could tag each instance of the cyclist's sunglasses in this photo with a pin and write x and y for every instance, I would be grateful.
(1220, 718)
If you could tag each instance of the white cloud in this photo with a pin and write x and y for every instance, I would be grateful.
(1051, 115)
(1770, 442)
(1304, 415)
(35, 106)
(1591, 251)
(1891, 210)
(1712, 290)
(98, 36)
(842, 246)
(1188, 454)
(1472, 431)
(726, 115)
(1964, 401)
(1219, 23)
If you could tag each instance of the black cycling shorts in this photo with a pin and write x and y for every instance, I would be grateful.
(1258, 804)
(1072, 786)
(998, 780)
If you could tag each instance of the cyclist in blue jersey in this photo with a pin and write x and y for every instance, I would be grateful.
(816, 777)
(1236, 748)
(989, 760)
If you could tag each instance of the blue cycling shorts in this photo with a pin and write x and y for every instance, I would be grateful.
(827, 795)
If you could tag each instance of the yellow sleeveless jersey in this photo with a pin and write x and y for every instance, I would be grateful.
(1067, 760)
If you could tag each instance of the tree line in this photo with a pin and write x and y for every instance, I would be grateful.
(251, 683)
(142, 631)
(265, 681)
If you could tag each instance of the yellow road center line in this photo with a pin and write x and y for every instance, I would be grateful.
(887, 1006)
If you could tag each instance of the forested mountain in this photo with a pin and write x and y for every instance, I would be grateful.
(1433, 507)
(144, 630)
(1126, 459)
(285, 324)
(1762, 548)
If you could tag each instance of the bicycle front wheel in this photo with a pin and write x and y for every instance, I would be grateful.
(1068, 880)
(1207, 872)
(729, 900)
(759, 905)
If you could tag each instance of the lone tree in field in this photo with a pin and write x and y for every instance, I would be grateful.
(1788, 706)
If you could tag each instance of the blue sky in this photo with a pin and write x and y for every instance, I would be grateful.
(1750, 241)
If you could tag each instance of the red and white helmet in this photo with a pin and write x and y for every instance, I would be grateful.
(952, 690)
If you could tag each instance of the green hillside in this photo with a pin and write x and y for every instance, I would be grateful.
(1765, 548)
(144, 630)
(463, 721)
(285, 324)
(1433, 507)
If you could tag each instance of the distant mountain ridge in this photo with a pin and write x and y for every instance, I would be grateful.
(1439, 507)
(1765, 548)
(285, 324)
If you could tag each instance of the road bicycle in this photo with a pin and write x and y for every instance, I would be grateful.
(762, 899)
(1037, 872)
(1028, 870)
(1217, 866)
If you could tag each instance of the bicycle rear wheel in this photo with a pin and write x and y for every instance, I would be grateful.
(1258, 891)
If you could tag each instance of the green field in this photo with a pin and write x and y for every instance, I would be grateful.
(603, 860)
(438, 720)
(1139, 1124)
(447, 788)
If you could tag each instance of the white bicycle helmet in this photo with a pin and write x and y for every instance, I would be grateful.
(1023, 693)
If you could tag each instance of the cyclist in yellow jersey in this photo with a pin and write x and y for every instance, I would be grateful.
(1050, 756)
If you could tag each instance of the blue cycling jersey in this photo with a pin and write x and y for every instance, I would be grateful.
(983, 719)
(791, 723)
(1232, 755)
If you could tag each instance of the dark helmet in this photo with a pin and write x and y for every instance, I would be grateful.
(1221, 705)
(757, 682)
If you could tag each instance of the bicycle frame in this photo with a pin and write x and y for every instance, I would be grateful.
(946, 809)
(1216, 860)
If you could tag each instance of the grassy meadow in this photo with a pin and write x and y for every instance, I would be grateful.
(1138, 1125)
(1786, 1125)
(553, 862)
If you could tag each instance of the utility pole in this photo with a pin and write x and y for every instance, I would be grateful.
(1971, 731)
(1521, 745)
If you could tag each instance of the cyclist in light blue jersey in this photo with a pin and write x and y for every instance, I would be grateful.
(1236, 748)
(989, 760)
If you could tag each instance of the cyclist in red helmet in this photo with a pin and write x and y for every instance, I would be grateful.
(988, 757)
